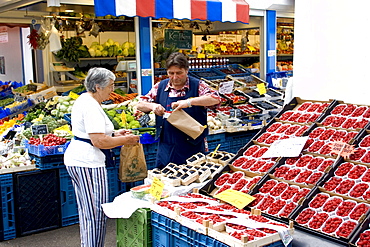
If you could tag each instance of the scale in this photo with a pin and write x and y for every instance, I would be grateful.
(129, 67)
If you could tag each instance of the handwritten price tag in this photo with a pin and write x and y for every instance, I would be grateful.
(156, 188)
(261, 88)
(342, 149)
(235, 198)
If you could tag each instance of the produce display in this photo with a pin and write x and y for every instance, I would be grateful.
(227, 223)
(315, 189)
(110, 48)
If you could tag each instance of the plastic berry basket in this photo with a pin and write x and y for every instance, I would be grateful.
(42, 151)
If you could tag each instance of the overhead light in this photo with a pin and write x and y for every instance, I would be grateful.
(69, 10)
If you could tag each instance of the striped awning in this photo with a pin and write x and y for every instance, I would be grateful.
(212, 10)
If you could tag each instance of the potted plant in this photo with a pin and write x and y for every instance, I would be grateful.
(161, 53)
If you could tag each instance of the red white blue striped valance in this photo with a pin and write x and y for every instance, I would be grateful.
(212, 10)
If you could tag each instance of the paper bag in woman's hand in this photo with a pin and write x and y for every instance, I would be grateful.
(132, 163)
(184, 122)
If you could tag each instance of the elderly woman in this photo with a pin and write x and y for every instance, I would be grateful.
(85, 159)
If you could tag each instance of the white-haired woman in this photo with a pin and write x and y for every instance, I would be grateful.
(85, 158)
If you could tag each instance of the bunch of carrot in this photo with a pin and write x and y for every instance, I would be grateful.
(117, 98)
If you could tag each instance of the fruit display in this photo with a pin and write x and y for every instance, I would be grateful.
(327, 213)
(225, 220)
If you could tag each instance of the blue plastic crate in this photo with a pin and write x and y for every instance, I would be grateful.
(7, 227)
(67, 117)
(113, 182)
(4, 112)
(168, 233)
(43, 151)
(215, 139)
(20, 107)
(150, 151)
(241, 71)
(68, 200)
(48, 162)
(207, 73)
(116, 151)
(238, 140)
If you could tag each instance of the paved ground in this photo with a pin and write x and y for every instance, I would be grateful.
(69, 237)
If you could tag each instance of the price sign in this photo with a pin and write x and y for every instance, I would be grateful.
(123, 118)
(156, 188)
(235, 198)
(201, 55)
(32, 87)
(342, 149)
(73, 95)
(10, 135)
(41, 129)
(226, 87)
(144, 120)
(19, 98)
(261, 88)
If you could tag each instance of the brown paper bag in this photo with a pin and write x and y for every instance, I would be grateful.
(132, 163)
(184, 122)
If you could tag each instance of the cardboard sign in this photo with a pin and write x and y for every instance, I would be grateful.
(235, 198)
(226, 87)
(261, 88)
(41, 129)
(290, 147)
(342, 149)
(156, 188)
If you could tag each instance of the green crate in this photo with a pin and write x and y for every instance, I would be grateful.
(135, 231)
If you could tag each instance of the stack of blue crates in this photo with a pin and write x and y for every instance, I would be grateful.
(7, 221)
(69, 211)
(167, 232)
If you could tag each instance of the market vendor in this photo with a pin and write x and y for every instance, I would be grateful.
(86, 156)
(179, 91)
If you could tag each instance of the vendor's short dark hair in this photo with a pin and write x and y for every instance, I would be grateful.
(177, 59)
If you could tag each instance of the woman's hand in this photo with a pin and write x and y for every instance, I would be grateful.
(131, 139)
(122, 132)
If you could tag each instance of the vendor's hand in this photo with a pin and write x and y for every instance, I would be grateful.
(131, 139)
(158, 109)
(179, 105)
(122, 132)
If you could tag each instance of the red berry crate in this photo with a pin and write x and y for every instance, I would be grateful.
(361, 237)
(278, 199)
(330, 216)
(300, 105)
